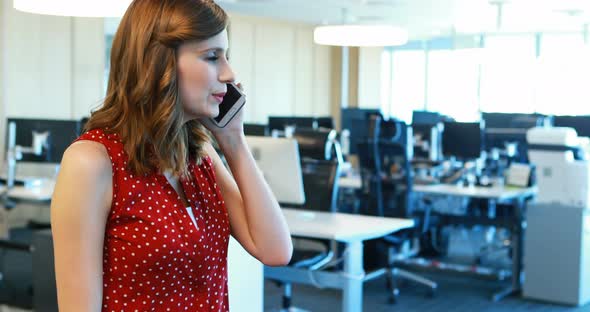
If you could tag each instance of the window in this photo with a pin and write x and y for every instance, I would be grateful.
(508, 74)
(513, 73)
(452, 83)
(407, 83)
(563, 75)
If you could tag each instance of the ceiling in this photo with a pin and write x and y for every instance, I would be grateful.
(427, 18)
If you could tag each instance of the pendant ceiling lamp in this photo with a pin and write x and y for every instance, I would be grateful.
(82, 8)
(359, 35)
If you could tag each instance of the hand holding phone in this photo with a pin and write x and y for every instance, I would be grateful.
(232, 102)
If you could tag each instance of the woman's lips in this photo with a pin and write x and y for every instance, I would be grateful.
(218, 97)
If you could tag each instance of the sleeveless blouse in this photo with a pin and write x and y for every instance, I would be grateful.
(155, 258)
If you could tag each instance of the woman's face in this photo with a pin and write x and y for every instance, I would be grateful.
(203, 72)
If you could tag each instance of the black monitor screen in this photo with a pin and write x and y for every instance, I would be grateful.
(61, 134)
(580, 123)
(463, 140)
(279, 122)
(325, 122)
(512, 120)
(255, 129)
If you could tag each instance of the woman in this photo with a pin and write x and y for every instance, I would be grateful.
(143, 206)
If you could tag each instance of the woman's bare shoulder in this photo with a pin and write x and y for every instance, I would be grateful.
(87, 156)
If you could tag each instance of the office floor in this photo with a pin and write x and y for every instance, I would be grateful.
(454, 295)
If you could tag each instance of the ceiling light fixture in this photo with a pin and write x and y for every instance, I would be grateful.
(360, 35)
(88, 8)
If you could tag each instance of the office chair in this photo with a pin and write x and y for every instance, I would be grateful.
(10, 292)
(321, 160)
(387, 188)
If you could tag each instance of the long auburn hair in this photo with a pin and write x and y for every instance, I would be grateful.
(142, 103)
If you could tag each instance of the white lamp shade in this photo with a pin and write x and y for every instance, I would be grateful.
(360, 35)
(83, 8)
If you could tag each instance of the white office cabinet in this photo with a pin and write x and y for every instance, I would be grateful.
(246, 280)
(557, 254)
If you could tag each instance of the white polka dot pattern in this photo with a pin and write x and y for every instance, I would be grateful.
(155, 259)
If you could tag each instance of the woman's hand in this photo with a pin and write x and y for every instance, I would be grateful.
(234, 129)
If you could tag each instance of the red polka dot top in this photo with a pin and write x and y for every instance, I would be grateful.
(156, 257)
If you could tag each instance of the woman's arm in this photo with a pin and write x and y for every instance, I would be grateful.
(79, 209)
(255, 216)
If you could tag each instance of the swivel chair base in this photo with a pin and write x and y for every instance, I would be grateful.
(394, 273)
(286, 303)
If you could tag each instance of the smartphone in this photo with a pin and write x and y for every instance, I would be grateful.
(232, 102)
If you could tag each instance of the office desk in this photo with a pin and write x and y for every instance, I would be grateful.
(37, 194)
(516, 222)
(497, 193)
(349, 229)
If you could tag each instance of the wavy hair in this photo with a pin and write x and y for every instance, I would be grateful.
(142, 104)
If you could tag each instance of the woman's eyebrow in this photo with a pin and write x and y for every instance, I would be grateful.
(214, 49)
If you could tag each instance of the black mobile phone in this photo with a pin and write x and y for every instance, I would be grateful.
(232, 102)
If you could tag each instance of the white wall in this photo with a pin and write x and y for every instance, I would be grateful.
(53, 65)
(50, 67)
(369, 81)
(283, 71)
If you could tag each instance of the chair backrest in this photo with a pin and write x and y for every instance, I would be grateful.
(320, 182)
(384, 159)
(315, 143)
(321, 161)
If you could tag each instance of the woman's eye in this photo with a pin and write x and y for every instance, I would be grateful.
(212, 58)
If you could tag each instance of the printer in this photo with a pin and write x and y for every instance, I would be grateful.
(557, 238)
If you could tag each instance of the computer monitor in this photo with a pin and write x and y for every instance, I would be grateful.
(279, 161)
(512, 120)
(280, 122)
(82, 124)
(422, 117)
(256, 129)
(580, 123)
(61, 134)
(325, 122)
(463, 140)
(357, 121)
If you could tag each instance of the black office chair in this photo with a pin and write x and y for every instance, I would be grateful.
(387, 188)
(321, 160)
(14, 293)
